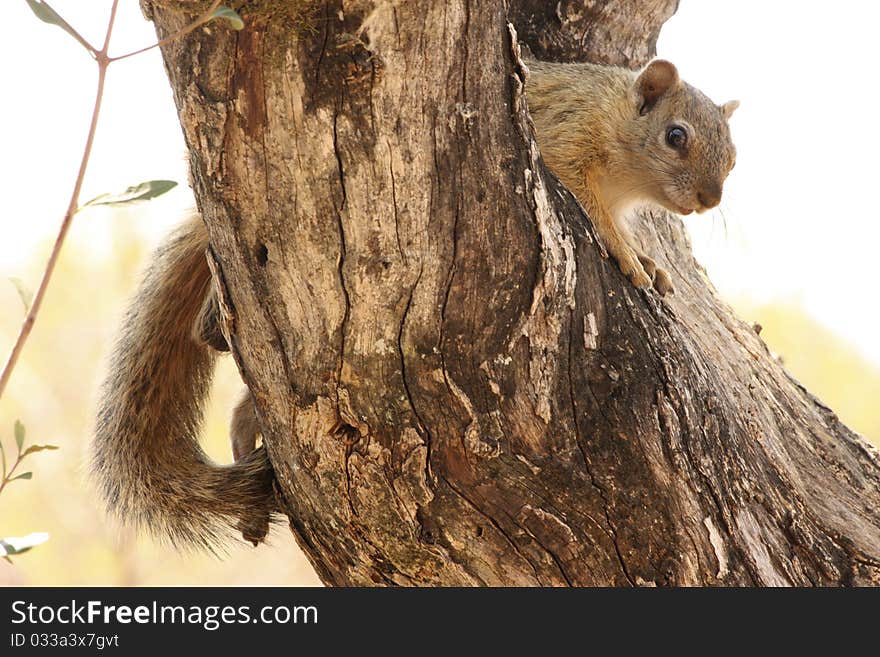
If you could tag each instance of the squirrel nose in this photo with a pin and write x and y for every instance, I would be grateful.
(710, 195)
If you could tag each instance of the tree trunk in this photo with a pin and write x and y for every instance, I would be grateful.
(455, 385)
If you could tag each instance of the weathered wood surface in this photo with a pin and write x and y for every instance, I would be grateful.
(456, 387)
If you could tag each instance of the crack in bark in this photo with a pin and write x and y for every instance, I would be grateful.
(372, 86)
(394, 205)
(342, 254)
(550, 552)
(422, 425)
(448, 291)
(396, 24)
(451, 275)
(346, 315)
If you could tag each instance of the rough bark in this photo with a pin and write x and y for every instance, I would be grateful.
(456, 387)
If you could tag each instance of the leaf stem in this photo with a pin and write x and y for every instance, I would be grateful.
(63, 24)
(7, 476)
(76, 35)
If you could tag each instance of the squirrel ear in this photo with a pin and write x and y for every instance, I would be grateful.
(657, 78)
(728, 108)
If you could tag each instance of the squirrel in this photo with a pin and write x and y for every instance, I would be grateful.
(145, 454)
(617, 139)
(612, 136)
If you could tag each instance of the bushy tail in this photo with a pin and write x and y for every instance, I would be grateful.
(146, 455)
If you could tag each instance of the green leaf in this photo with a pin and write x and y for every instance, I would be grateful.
(141, 192)
(23, 292)
(3, 458)
(37, 448)
(224, 12)
(45, 13)
(48, 15)
(23, 475)
(19, 435)
(21, 544)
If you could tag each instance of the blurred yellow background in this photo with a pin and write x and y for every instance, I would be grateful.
(797, 253)
(53, 392)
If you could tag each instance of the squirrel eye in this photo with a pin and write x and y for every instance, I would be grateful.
(676, 137)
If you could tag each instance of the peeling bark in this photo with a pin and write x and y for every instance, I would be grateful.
(456, 386)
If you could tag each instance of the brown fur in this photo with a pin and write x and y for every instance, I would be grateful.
(602, 130)
(146, 454)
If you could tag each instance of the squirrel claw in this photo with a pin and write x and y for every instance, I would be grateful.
(636, 273)
(648, 265)
(663, 283)
(661, 278)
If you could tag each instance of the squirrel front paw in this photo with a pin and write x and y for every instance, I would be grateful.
(633, 270)
(662, 279)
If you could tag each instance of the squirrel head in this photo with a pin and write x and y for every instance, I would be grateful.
(679, 139)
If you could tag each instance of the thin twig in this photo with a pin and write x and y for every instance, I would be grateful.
(103, 63)
(109, 28)
(7, 476)
(201, 20)
(72, 205)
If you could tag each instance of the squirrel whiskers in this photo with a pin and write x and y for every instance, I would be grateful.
(617, 138)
